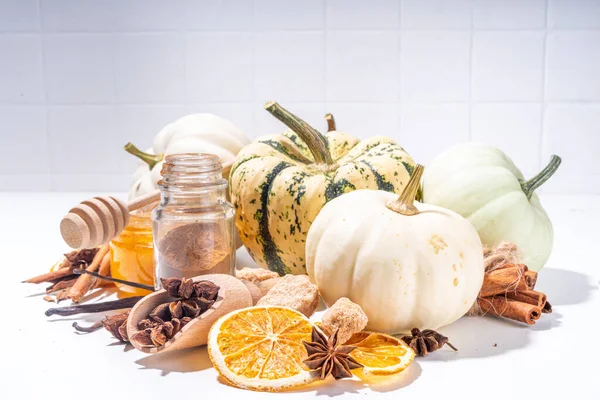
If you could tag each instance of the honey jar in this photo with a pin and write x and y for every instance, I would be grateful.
(132, 254)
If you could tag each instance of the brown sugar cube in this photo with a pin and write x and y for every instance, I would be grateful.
(262, 278)
(294, 291)
(256, 274)
(345, 316)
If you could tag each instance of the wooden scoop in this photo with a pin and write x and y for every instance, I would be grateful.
(96, 221)
(234, 294)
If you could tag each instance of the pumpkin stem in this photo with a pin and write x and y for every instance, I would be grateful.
(405, 204)
(330, 122)
(317, 144)
(150, 159)
(531, 185)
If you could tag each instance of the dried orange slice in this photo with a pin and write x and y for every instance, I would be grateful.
(380, 354)
(260, 348)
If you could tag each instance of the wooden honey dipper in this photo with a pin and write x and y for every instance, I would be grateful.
(97, 220)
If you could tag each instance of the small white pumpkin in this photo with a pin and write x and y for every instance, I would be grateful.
(482, 184)
(193, 133)
(407, 265)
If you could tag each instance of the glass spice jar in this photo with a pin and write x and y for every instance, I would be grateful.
(193, 225)
(132, 254)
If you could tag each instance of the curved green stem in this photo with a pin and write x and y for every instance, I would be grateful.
(150, 159)
(405, 204)
(531, 185)
(314, 139)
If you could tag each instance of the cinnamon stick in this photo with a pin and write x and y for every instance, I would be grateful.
(103, 270)
(531, 279)
(504, 307)
(49, 276)
(506, 278)
(528, 296)
(62, 267)
(85, 282)
(64, 284)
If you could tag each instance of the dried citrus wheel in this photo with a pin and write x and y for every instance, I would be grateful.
(260, 348)
(380, 354)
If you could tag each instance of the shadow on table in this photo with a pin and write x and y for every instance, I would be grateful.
(188, 360)
(565, 287)
(479, 337)
(380, 384)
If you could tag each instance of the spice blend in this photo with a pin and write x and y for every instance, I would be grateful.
(195, 249)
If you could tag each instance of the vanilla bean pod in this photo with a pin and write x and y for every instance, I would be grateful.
(87, 329)
(80, 271)
(127, 302)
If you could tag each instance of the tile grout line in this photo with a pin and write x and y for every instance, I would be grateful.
(325, 49)
(470, 71)
(542, 140)
(253, 36)
(398, 105)
(47, 147)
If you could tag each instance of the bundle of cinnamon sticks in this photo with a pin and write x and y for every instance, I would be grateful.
(65, 284)
(508, 288)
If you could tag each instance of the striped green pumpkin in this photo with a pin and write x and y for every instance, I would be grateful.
(279, 183)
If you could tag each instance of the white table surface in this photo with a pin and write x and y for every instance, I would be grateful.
(44, 358)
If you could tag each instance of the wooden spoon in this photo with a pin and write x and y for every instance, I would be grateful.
(234, 294)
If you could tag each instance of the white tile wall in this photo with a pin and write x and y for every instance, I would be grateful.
(508, 66)
(435, 66)
(80, 78)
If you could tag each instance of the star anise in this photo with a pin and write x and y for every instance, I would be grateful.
(154, 333)
(191, 300)
(117, 325)
(426, 341)
(327, 358)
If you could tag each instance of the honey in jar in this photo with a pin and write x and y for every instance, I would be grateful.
(132, 254)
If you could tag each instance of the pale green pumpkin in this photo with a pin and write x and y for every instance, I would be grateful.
(482, 184)
(279, 183)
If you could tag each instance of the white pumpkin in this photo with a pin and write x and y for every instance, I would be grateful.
(482, 184)
(406, 265)
(194, 133)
